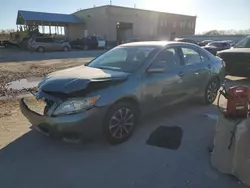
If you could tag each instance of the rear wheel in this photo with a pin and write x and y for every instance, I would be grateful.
(120, 122)
(211, 91)
(65, 48)
(40, 49)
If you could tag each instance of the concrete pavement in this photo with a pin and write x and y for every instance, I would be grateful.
(36, 161)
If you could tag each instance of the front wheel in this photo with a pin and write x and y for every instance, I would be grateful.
(211, 91)
(40, 49)
(120, 122)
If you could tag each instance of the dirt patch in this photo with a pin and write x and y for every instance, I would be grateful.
(12, 123)
(17, 70)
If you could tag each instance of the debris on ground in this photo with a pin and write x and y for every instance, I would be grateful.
(13, 71)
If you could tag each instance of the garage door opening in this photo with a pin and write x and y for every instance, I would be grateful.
(124, 31)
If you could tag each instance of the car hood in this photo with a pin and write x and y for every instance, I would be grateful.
(236, 50)
(77, 79)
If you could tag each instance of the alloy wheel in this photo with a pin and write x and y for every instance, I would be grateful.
(212, 90)
(121, 123)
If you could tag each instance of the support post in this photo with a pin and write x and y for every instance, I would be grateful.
(49, 28)
(42, 28)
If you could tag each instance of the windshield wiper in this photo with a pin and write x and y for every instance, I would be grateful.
(109, 68)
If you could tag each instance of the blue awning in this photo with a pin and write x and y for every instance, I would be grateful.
(23, 16)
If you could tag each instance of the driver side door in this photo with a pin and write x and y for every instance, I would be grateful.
(164, 88)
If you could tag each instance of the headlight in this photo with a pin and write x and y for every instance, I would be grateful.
(75, 105)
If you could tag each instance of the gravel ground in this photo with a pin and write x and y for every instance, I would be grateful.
(17, 55)
(29, 159)
(16, 64)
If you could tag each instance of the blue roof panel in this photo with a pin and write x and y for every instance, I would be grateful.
(48, 17)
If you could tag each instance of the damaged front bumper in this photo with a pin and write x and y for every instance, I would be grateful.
(84, 124)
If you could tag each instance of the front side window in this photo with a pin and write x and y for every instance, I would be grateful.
(47, 40)
(191, 56)
(243, 43)
(57, 41)
(125, 59)
(168, 58)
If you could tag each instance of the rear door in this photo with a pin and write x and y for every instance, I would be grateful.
(197, 68)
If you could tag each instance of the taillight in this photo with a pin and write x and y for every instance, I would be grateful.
(223, 63)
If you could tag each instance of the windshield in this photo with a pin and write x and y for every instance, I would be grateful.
(124, 59)
(243, 43)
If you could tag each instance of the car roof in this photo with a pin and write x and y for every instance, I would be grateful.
(218, 42)
(157, 43)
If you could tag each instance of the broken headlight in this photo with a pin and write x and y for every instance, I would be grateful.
(75, 105)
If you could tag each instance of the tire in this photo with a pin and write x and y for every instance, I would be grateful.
(211, 91)
(118, 132)
(40, 49)
(65, 48)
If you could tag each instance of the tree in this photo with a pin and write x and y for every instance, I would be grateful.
(228, 32)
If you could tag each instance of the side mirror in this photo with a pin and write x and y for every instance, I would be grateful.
(157, 67)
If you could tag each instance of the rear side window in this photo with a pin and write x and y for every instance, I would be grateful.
(191, 56)
(248, 43)
(204, 55)
(46, 40)
(226, 44)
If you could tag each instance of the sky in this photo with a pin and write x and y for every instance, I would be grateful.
(211, 14)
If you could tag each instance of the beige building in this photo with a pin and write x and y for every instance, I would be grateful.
(111, 22)
(114, 22)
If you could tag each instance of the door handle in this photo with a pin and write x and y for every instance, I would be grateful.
(196, 73)
(209, 66)
(180, 74)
